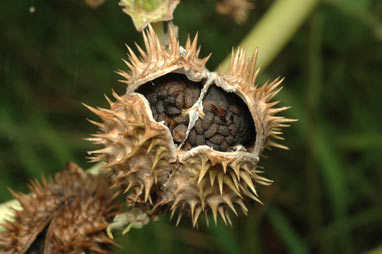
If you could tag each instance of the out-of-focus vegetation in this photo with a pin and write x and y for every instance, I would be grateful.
(327, 192)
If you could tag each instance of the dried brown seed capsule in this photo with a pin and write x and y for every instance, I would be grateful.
(186, 139)
(68, 215)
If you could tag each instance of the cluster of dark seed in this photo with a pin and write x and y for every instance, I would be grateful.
(227, 121)
(168, 96)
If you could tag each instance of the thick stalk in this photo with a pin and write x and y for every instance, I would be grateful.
(275, 29)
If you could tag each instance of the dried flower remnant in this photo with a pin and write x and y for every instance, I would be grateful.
(144, 12)
(68, 215)
(184, 139)
(94, 3)
(238, 9)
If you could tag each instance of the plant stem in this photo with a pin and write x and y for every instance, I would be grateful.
(275, 29)
(96, 169)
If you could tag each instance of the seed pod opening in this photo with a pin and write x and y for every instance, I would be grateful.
(227, 121)
(186, 139)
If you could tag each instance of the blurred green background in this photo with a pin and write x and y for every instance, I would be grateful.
(327, 192)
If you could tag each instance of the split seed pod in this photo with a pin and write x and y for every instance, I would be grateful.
(68, 215)
(186, 139)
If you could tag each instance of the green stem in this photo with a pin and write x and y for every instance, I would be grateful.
(96, 169)
(275, 29)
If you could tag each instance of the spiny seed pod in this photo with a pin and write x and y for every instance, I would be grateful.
(68, 215)
(186, 139)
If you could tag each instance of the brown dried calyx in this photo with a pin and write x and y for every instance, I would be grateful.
(227, 121)
(68, 215)
(238, 9)
(94, 3)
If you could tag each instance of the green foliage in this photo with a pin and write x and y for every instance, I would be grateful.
(327, 192)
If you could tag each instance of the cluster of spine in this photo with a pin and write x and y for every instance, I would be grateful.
(243, 74)
(67, 215)
(137, 148)
(158, 173)
(212, 184)
(140, 153)
(159, 59)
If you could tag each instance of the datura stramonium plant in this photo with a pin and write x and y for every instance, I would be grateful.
(184, 139)
(67, 215)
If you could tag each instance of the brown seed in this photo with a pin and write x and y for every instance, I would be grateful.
(172, 111)
(229, 118)
(160, 107)
(224, 130)
(162, 92)
(207, 120)
(217, 139)
(220, 120)
(181, 120)
(200, 140)
(179, 133)
(179, 100)
(175, 86)
(221, 111)
(190, 97)
(192, 137)
(211, 131)
(230, 140)
(198, 126)
(224, 146)
(209, 106)
(212, 145)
